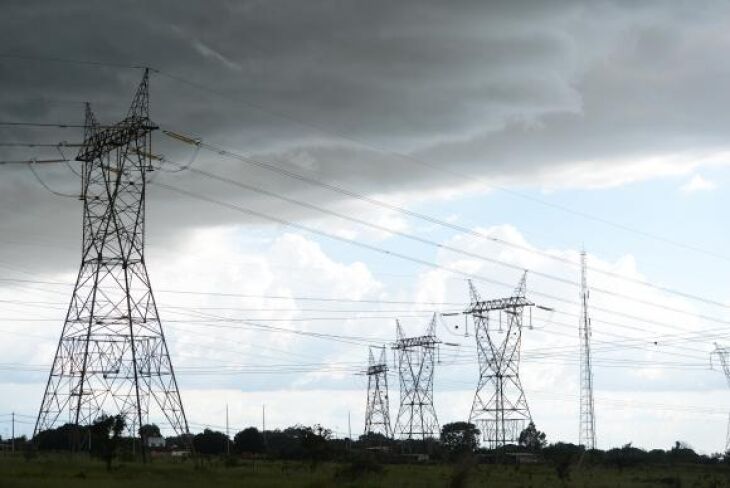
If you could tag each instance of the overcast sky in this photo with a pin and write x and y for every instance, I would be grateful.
(550, 126)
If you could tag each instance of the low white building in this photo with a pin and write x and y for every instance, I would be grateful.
(155, 442)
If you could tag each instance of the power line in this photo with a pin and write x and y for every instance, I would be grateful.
(395, 254)
(199, 143)
(34, 161)
(398, 155)
(360, 301)
(445, 246)
(445, 170)
(51, 59)
(410, 236)
(43, 125)
(34, 144)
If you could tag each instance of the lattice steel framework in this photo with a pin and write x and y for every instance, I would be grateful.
(377, 412)
(500, 408)
(416, 358)
(112, 357)
(723, 354)
(587, 427)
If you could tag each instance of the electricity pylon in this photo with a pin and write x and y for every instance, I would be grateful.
(587, 427)
(377, 412)
(112, 357)
(500, 408)
(416, 361)
(723, 353)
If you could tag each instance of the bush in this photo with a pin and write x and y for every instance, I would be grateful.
(358, 469)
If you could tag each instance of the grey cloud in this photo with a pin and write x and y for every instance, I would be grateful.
(499, 89)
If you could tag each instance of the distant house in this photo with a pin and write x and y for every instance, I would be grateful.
(155, 442)
(525, 458)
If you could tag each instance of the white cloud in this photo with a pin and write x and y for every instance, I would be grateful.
(698, 183)
(246, 367)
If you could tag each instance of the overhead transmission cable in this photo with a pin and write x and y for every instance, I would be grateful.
(438, 245)
(199, 143)
(445, 170)
(381, 250)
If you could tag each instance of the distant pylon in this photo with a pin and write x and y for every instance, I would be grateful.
(112, 357)
(377, 412)
(587, 427)
(416, 361)
(500, 408)
(723, 353)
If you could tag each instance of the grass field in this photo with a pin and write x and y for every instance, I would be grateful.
(66, 471)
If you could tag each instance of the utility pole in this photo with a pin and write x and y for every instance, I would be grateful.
(416, 362)
(349, 431)
(723, 354)
(12, 432)
(377, 409)
(500, 408)
(112, 357)
(587, 427)
(263, 422)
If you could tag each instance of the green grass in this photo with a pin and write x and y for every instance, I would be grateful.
(66, 471)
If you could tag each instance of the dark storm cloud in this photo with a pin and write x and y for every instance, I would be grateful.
(503, 89)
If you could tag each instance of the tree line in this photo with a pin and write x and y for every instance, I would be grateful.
(314, 444)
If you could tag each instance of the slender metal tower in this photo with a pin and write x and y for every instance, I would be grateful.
(112, 357)
(587, 427)
(723, 354)
(500, 408)
(416, 361)
(377, 412)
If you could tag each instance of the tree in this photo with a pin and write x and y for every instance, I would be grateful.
(314, 441)
(531, 438)
(183, 441)
(210, 442)
(62, 438)
(149, 430)
(682, 453)
(249, 440)
(106, 433)
(460, 437)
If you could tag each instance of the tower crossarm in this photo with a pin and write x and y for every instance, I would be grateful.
(377, 369)
(105, 140)
(411, 342)
(485, 306)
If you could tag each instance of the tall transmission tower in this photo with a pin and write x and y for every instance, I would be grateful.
(416, 361)
(500, 408)
(377, 412)
(723, 354)
(112, 357)
(587, 427)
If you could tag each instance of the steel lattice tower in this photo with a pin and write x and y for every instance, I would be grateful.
(377, 412)
(587, 427)
(500, 408)
(112, 357)
(416, 361)
(723, 353)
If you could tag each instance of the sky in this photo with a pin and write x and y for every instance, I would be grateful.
(377, 157)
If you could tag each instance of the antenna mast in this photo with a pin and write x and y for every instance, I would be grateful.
(587, 428)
